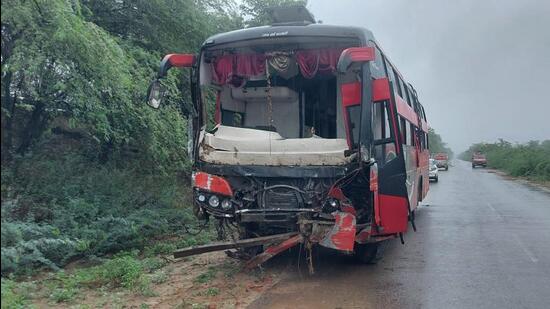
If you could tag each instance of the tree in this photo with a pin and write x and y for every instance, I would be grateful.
(93, 168)
(255, 10)
(86, 64)
(436, 143)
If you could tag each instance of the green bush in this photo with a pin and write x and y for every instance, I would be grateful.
(531, 160)
(64, 208)
(123, 270)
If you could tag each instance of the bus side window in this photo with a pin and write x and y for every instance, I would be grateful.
(391, 77)
(423, 112)
(397, 83)
(410, 98)
(384, 151)
(403, 129)
(378, 121)
(413, 133)
(425, 140)
(403, 91)
(377, 65)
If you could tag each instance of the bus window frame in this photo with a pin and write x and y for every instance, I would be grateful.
(397, 82)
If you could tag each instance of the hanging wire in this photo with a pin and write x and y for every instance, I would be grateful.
(269, 101)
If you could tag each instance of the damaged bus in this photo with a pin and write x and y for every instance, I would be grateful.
(303, 130)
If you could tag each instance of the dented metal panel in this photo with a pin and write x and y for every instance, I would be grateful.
(342, 234)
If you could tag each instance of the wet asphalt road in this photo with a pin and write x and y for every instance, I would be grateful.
(482, 242)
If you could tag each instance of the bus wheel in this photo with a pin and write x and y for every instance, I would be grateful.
(368, 253)
(420, 190)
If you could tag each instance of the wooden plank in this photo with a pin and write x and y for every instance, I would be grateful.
(218, 246)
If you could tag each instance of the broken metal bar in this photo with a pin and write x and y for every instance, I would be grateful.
(268, 210)
(218, 246)
(274, 250)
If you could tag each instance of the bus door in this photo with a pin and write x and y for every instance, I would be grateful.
(376, 104)
(392, 211)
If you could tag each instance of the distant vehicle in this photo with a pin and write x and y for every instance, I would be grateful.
(479, 159)
(434, 175)
(442, 160)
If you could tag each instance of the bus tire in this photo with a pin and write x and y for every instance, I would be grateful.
(368, 253)
(420, 190)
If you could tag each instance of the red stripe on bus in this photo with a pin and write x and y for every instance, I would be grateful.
(351, 94)
(406, 111)
(380, 90)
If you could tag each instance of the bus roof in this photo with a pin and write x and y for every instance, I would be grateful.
(276, 31)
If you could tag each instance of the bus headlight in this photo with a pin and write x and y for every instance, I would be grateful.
(201, 198)
(226, 204)
(214, 201)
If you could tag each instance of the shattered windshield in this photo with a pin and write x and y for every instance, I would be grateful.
(288, 89)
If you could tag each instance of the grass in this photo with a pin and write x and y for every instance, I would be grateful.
(134, 271)
(124, 271)
(206, 276)
(159, 277)
(212, 291)
(10, 296)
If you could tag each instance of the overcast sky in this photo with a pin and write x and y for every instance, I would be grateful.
(481, 68)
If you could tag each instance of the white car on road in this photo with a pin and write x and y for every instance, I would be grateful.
(434, 170)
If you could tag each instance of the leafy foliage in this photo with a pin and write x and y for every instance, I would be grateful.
(436, 143)
(530, 160)
(68, 207)
(255, 10)
(87, 168)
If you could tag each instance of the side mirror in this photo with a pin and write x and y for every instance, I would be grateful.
(155, 94)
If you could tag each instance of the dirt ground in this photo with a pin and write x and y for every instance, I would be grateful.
(210, 280)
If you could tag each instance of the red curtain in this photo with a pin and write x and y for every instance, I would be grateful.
(308, 62)
(235, 69)
(328, 59)
(222, 69)
(250, 64)
(312, 61)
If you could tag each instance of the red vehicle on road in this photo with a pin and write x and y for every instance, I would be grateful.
(479, 159)
(442, 160)
(317, 136)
